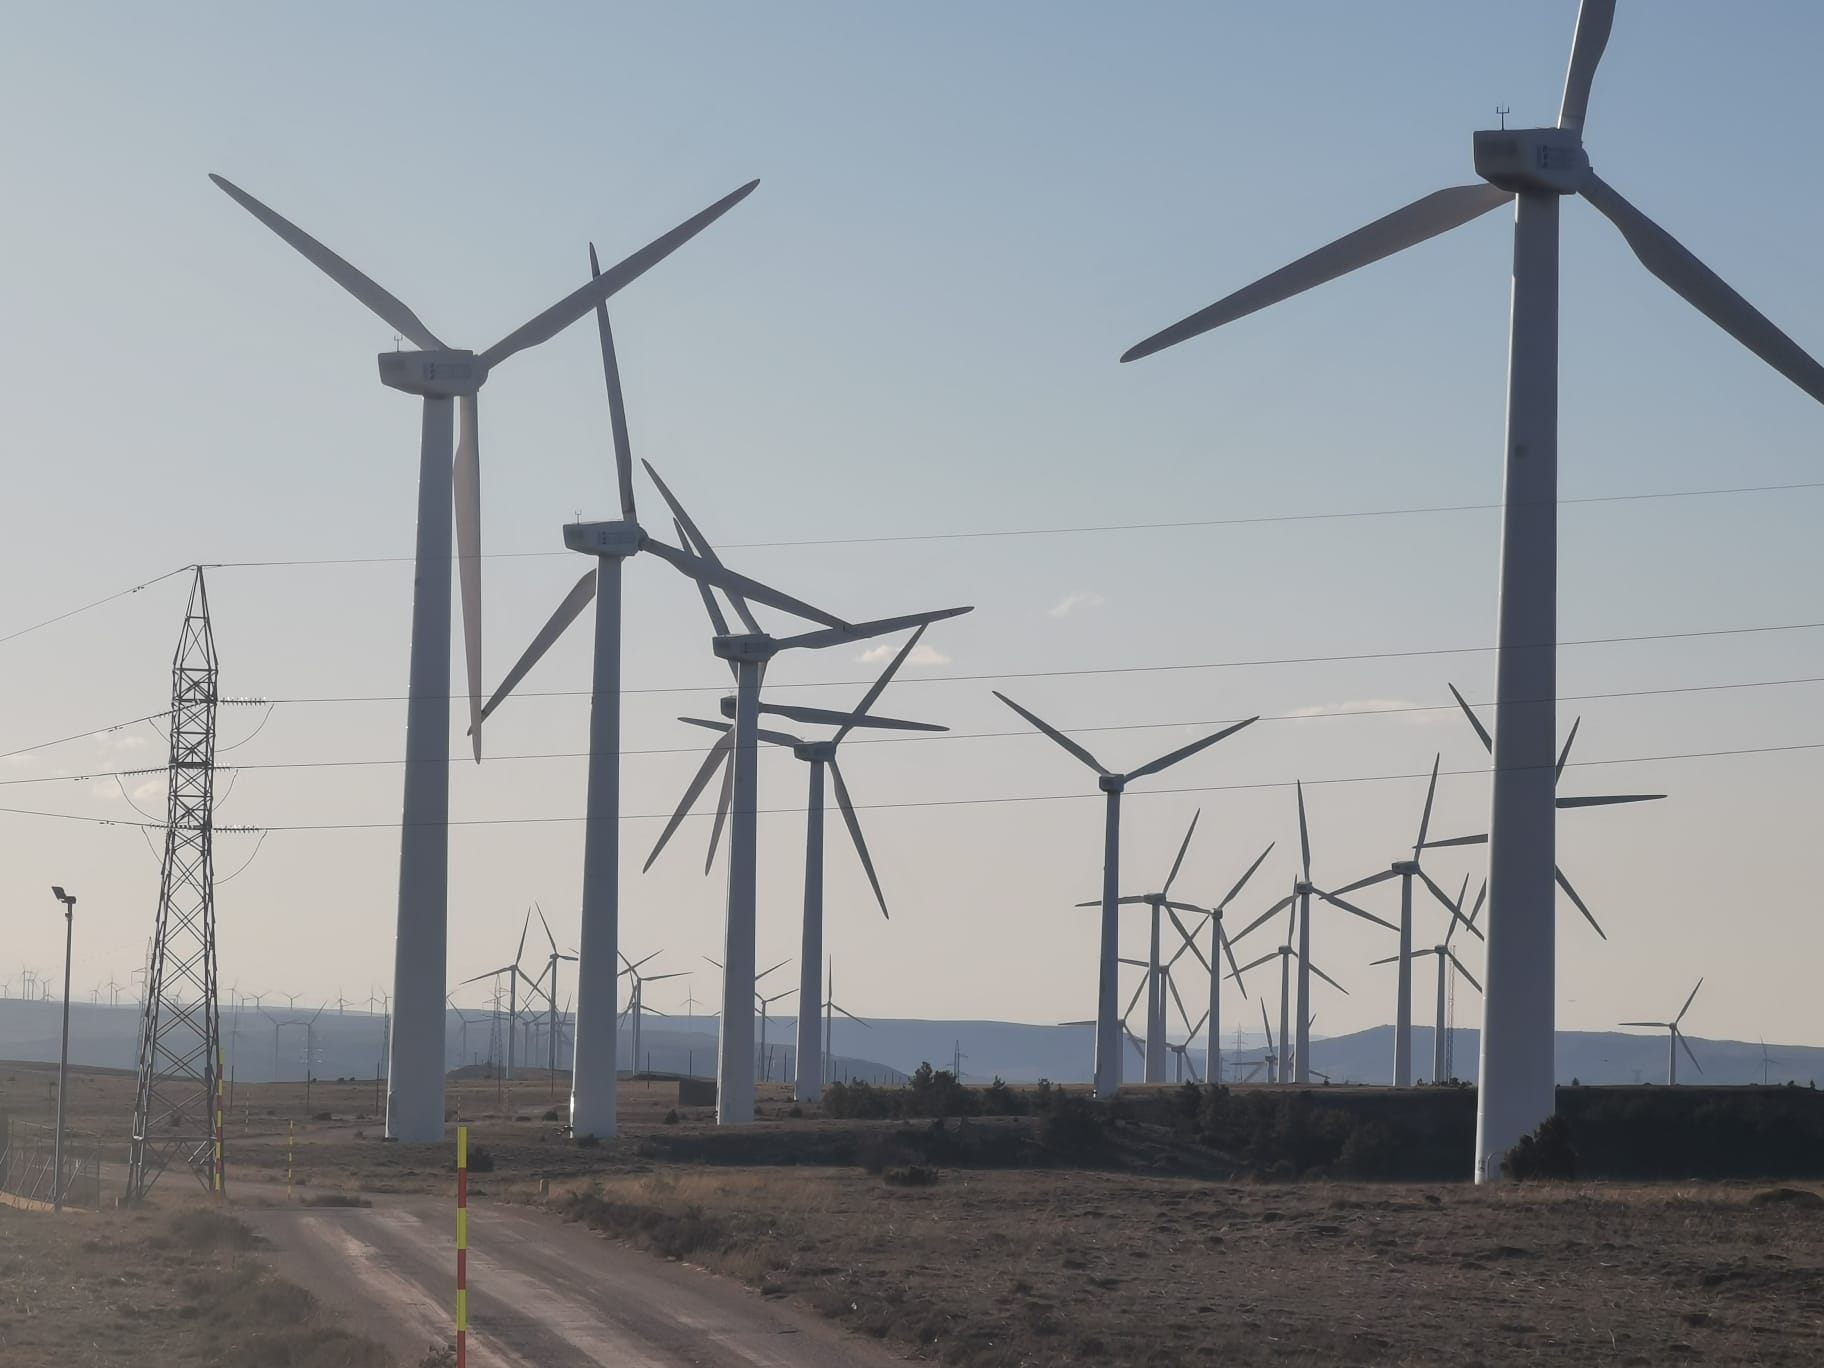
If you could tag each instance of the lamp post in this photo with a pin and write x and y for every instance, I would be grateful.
(63, 1063)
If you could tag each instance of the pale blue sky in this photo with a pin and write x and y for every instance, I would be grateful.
(965, 215)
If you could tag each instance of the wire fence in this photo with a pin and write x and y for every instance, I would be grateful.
(29, 1170)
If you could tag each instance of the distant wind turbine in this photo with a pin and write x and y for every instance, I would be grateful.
(1108, 1020)
(1676, 1038)
(1447, 961)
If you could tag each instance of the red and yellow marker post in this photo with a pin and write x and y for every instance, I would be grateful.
(462, 1245)
(218, 1121)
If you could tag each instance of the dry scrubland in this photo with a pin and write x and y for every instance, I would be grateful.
(1152, 1255)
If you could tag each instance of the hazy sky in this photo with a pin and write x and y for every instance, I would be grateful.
(966, 214)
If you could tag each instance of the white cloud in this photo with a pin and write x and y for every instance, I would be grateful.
(1406, 709)
(22, 759)
(1080, 598)
(115, 741)
(921, 655)
(152, 788)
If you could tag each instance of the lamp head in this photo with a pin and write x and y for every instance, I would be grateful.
(67, 899)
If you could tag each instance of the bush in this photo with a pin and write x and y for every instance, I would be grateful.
(671, 1117)
(550, 1114)
(1546, 1155)
(480, 1160)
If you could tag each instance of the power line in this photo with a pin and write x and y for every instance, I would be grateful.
(991, 534)
(988, 534)
(973, 802)
(1298, 715)
(1343, 658)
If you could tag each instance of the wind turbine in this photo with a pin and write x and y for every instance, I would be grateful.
(555, 958)
(830, 1008)
(592, 1100)
(441, 375)
(1535, 168)
(819, 755)
(514, 974)
(637, 1006)
(1286, 953)
(1766, 1059)
(748, 653)
(1271, 1057)
(1303, 890)
(1676, 1041)
(1158, 904)
(1219, 948)
(1447, 961)
(1108, 1023)
(1406, 871)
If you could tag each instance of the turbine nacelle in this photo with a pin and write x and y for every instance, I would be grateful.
(621, 537)
(816, 751)
(1111, 783)
(747, 646)
(1542, 160)
(441, 374)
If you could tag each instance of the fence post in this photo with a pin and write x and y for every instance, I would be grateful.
(219, 1174)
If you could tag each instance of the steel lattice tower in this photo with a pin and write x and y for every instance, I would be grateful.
(175, 1111)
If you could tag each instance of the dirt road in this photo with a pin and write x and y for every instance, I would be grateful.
(542, 1292)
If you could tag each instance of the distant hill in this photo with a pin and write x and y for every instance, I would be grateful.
(350, 1045)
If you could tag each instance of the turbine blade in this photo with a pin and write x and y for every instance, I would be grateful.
(1453, 906)
(718, 755)
(1139, 989)
(1609, 800)
(1656, 1025)
(854, 826)
(1054, 734)
(723, 798)
(1480, 839)
(1190, 941)
(1304, 832)
(1368, 882)
(1229, 951)
(579, 597)
(1680, 1037)
(1183, 1015)
(717, 622)
(1185, 752)
(467, 487)
(1424, 218)
(851, 1016)
(1326, 978)
(617, 406)
(579, 302)
(1431, 791)
(547, 925)
(832, 717)
(1267, 1025)
(1335, 901)
(1571, 893)
(1565, 754)
(692, 536)
(1266, 916)
(1688, 1001)
(861, 631)
(1594, 19)
(1183, 846)
(393, 313)
(520, 953)
(1242, 881)
(1488, 742)
(1461, 970)
(1255, 964)
(737, 586)
(1704, 290)
(879, 686)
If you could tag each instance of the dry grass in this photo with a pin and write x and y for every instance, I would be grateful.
(122, 1290)
(1011, 1268)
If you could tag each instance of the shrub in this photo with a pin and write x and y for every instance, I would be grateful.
(671, 1117)
(550, 1114)
(1545, 1155)
(480, 1160)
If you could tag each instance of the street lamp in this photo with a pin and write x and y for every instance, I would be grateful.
(63, 1064)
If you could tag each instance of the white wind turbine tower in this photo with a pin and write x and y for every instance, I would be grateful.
(515, 975)
(819, 755)
(1406, 871)
(1447, 961)
(748, 653)
(1303, 890)
(830, 1008)
(636, 1007)
(593, 1082)
(1535, 168)
(1108, 1021)
(1676, 1041)
(440, 375)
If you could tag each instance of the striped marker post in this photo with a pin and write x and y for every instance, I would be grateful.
(218, 1121)
(291, 1142)
(462, 1246)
